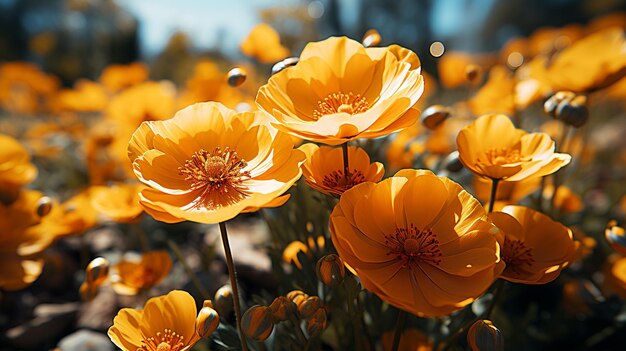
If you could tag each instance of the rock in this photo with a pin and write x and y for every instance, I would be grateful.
(86, 340)
(50, 322)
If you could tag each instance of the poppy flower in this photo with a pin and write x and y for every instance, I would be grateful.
(263, 43)
(209, 163)
(73, 216)
(429, 257)
(166, 322)
(16, 169)
(118, 77)
(340, 91)
(492, 147)
(134, 274)
(24, 87)
(323, 169)
(119, 202)
(536, 248)
(87, 96)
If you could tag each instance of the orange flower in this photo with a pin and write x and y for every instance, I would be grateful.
(132, 275)
(429, 257)
(452, 67)
(404, 148)
(615, 282)
(340, 91)
(565, 200)
(23, 87)
(536, 248)
(22, 240)
(323, 169)
(263, 43)
(209, 83)
(209, 163)
(118, 77)
(167, 322)
(87, 96)
(15, 168)
(119, 202)
(492, 147)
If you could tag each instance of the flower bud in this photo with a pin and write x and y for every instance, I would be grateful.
(88, 291)
(553, 102)
(616, 236)
(317, 323)
(257, 323)
(97, 271)
(223, 300)
(330, 270)
(573, 113)
(297, 296)
(207, 321)
(282, 308)
(309, 306)
(236, 77)
(433, 116)
(44, 206)
(452, 163)
(281, 65)
(371, 38)
(484, 336)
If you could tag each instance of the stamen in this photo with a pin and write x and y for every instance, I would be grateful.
(167, 340)
(336, 180)
(516, 254)
(219, 175)
(340, 102)
(413, 246)
(501, 156)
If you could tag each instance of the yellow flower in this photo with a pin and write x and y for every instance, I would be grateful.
(87, 96)
(119, 202)
(15, 168)
(73, 216)
(23, 87)
(492, 147)
(430, 256)
(536, 248)
(263, 43)
(323, 169)
(167, 323)
(118, 77)
(340, 91)
(132, 275)
(209, 163)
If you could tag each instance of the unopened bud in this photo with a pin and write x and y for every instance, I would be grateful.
(223, 300)
(97, 271)
(88, 291)
(616, 236)
(452, 163)
(207, 321)
(568, 107)
(317, 323)
(371, 38)
(550, 106)
(281, 65)
(330, 270)
(236, 77)
(433, 116)
(257, 323)
(282, 308)
(44, 206)
(473, 73)
(484, 336)
(309, 306)
(297, 296)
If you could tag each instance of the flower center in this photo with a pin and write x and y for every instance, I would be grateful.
(337, 181)
(413, 246)
(341, 103)
(164, 341)
(516, 254)
(219, 175)
(502, 156)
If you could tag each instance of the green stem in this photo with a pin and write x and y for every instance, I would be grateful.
(233, 283)
(194, 280)
(398, 330)
(494, 189)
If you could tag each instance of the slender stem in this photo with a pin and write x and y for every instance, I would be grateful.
(194, 280)
(556, 179)
(497, 291)
(494, 190)
(346, 164)
(233, 283)
(398, 331)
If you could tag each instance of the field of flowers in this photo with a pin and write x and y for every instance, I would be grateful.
(335, 198)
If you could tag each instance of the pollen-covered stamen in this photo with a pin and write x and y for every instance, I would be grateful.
(167, 340)
(412, 245)
(516, 255)
(340, 102)
(337, 181)
(501, 156)
(220, 176)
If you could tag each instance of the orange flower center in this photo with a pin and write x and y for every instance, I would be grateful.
(411, 246)
(219, 175)
(516, 254)
(337, 181)
(501, 156)
(340, 102)
(164, 341)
